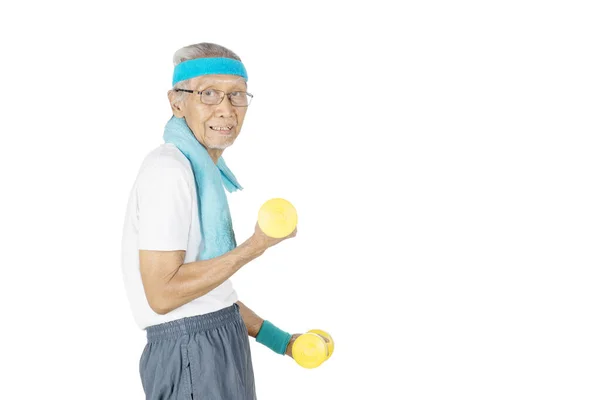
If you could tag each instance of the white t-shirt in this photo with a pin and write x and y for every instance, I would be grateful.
(162, 214)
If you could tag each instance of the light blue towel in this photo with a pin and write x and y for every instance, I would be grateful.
(213, 209)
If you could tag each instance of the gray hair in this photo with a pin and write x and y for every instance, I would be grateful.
(200, 50)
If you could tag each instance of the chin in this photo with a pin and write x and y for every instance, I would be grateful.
(221, 146)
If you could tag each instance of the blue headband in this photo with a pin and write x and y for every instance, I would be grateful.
(208, 66)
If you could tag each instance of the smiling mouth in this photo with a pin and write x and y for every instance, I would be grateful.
(222, 129)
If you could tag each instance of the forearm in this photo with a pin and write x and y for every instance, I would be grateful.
(252, 321)
(277, 340)
(195, 279)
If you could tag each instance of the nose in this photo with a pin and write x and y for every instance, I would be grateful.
(225, 109)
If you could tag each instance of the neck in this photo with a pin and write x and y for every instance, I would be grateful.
(215, 154)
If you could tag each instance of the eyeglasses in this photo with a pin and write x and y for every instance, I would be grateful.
(213, 97)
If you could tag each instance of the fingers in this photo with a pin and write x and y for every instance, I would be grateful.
(324, 338)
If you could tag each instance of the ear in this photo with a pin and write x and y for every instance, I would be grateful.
(175, 107)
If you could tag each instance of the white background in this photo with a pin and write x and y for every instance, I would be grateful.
(443, 158)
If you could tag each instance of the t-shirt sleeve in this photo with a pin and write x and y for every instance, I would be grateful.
(164, 207)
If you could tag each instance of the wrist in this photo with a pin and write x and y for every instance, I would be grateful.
(256, 244)
(273, 337)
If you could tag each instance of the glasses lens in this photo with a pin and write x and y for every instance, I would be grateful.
(240, 99)
(211, 96)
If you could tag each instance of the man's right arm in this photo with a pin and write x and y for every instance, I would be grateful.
(165, 211)
(169, 283)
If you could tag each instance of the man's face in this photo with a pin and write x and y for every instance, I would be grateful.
(215, 126)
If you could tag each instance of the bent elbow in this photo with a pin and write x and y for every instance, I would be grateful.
(159, 306)
(160, 310)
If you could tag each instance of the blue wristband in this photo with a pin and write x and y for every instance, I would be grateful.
(273, 337)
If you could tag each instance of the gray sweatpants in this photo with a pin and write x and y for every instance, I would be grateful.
(206, 357)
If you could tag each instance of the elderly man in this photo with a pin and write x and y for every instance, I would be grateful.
(179, 249)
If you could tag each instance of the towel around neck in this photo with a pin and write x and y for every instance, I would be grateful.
(211, 180)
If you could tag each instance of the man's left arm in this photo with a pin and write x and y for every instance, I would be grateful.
(253, 323)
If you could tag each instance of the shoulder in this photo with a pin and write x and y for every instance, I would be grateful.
(166, 162)
(167, 156)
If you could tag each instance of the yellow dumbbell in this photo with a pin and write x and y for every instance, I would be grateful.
(310, 349)
(277, 218)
